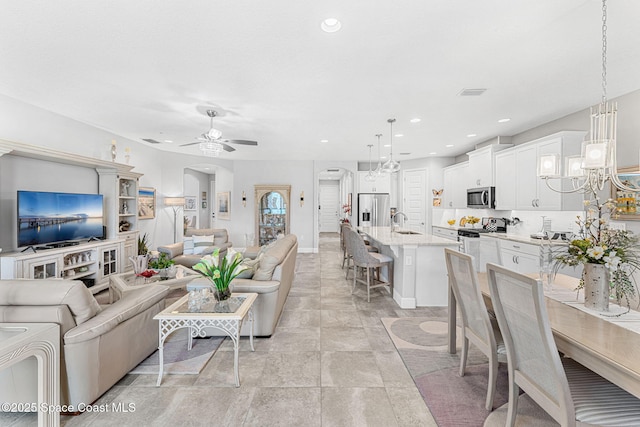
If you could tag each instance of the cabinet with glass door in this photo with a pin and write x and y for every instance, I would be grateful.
(272, 212)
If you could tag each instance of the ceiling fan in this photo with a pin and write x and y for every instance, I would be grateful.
(215, 136)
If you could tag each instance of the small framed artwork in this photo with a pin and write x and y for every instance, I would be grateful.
(190, 203)
(627, 202)
(224, 207)
(146, 203)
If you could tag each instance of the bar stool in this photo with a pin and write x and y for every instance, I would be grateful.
(368, 260)
(346, 255)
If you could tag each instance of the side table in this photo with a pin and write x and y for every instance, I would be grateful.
(226, 317)
(19, 341)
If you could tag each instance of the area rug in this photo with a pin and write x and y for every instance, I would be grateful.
(453, 400)
(177, 359)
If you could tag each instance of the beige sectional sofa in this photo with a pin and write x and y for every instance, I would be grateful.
(175, 251)
(272, 282)
(99, 345)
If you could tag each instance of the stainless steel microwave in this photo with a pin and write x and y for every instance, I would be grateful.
(481, 198)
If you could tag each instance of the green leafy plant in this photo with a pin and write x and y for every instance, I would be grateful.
(220, 272)
(161, 262)
(143, 243)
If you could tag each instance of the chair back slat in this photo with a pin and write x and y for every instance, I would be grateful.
(465, 286)
(533, 358)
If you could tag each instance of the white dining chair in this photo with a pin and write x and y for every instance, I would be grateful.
(477, 326)
(566, 390)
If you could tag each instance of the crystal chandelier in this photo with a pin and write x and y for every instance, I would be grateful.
(371, 176)
(211, 149)
(391, 166)
(597, 164)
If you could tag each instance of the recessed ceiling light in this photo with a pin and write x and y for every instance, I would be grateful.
(432, 153)
(387, 145)
(168, 141)
(383, 157)
(449, 145)
(471, 135)
(324, 140)
(331, 25)
(398, 135)
(503, 120)
(415, 120)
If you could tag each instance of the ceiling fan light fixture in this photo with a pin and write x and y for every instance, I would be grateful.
(211, 149)
(213, 134)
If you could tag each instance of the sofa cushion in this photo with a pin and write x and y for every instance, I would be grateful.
(188, 247)
(72, 293)
(200, 243)
(273, 257)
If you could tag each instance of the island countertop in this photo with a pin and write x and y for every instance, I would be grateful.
(385, 236)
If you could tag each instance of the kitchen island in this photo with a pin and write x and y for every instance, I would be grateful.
(420, 272)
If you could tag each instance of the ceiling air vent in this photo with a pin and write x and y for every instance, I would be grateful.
(405, 154)
(333, 170)
(472, 92)
(151, 141)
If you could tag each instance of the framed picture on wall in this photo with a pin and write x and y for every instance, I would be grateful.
(146, 203)
(627, 202)
(224, 205)
(190, 203)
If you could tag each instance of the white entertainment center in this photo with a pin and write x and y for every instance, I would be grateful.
(94, 261)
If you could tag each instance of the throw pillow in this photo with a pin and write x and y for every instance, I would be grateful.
(200, 243)
(187, 246)
(251, 266)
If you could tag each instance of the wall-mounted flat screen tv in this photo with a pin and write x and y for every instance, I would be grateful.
(45, 218)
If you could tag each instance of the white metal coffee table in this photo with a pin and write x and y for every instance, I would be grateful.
(228, 320)
(123, 282)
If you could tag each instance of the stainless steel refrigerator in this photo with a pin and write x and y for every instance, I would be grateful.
(374, 210)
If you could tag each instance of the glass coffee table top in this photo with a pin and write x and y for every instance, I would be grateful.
(183, 274)
(210, 305)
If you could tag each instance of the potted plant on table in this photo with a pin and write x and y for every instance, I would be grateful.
(164, 265)
(609, 257)
(220, 273)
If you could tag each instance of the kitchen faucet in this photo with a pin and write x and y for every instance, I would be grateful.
(395, 226)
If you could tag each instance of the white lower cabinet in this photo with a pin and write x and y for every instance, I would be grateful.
(445, 233)
(92, 263)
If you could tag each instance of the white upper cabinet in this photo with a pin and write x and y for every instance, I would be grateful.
(505, 163)
(456, 182)
(517, 183)
(481, 171)
(381, 185)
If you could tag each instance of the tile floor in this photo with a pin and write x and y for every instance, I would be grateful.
(329, 363)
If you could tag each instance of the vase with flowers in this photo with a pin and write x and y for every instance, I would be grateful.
(609, 257)
(221, 272)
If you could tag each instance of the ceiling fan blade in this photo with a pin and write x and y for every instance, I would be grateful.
(227, 147)
(190, 143)
(240, 141)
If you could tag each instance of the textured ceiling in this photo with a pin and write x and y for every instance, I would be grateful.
(150, 69)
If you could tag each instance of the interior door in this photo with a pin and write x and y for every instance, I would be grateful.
(415, 206)
(329, 208)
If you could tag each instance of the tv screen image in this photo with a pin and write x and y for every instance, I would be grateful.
(45, 217)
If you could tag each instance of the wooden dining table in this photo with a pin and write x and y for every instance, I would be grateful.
(606, 348)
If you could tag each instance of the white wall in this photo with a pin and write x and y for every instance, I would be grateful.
(298, 174)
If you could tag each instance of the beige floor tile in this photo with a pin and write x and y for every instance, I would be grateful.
(344, 339)
(350, 369)
(356, 407)
(291, 369)
(409, 408)
(285, 407)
